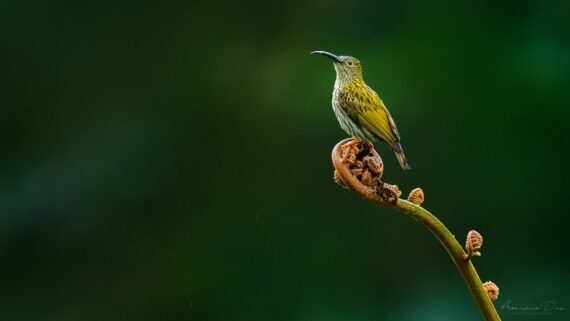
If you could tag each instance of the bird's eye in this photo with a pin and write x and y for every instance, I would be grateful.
(350, 62)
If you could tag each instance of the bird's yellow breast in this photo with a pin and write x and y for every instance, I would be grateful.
(357, 97)
(366, 110)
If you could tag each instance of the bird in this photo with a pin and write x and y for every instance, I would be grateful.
(359, 110)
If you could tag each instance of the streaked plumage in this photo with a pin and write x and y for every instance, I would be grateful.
(359, 110)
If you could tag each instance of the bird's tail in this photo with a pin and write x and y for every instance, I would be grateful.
(400, 155)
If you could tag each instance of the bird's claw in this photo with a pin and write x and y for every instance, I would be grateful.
(365, 149)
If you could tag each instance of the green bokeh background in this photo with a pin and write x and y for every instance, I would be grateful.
(171, 160)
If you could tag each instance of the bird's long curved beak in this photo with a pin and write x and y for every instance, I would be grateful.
(326, 54)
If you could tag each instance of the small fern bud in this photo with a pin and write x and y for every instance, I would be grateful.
(492, 290)
(416, 196)
(473, 244)
(388, 193)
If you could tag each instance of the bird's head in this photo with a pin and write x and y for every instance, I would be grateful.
(347, 68)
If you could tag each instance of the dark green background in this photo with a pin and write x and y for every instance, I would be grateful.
(171, 160)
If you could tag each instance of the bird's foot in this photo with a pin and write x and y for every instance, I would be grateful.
(365, 149)
(358, 148)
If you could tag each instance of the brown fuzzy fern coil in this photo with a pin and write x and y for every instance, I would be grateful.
(366, 170)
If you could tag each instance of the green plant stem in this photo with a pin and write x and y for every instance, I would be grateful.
(453, 248)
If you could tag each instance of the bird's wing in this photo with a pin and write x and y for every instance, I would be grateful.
(369, 111)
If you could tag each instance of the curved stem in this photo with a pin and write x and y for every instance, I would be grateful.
(444, 236)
